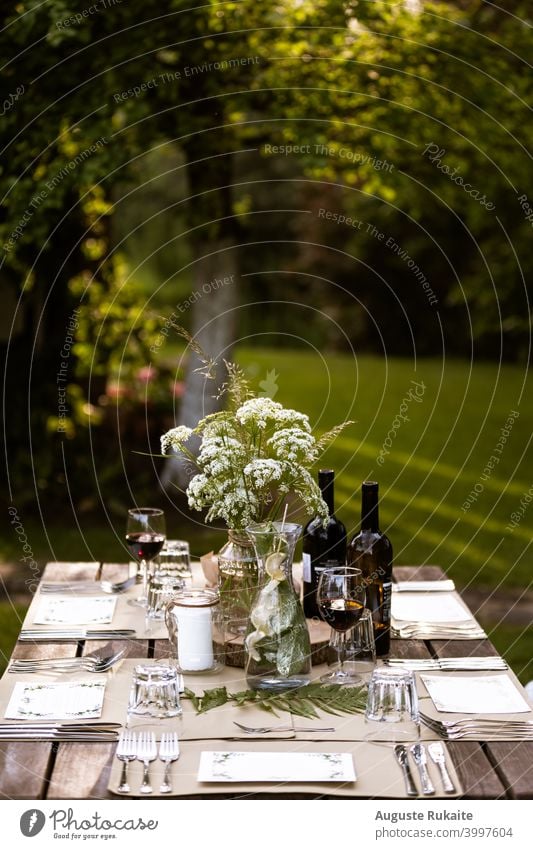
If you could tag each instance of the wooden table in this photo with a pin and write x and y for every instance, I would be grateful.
(496, 770)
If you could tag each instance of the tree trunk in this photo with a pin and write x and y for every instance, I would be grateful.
(213, 299)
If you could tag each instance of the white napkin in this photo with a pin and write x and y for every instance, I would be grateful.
(482, 694)
(72, 700)
(97, 610)
(413, 607)
(276, 766)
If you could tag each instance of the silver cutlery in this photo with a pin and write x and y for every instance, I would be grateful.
(273, 728)
(478, 728)
(146, 752)
(90, 663)
(126, 752)
(429, 633)
(400, 753)
(169, 751)
(101, 732)
(87, 587)
(438, 756)
(446, 586)
(418, 752)
(457, 664)
(33, 635)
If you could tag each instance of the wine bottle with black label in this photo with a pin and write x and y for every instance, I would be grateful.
(321, 544)
(371, 551)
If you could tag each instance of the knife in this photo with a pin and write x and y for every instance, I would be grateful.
(74, 634)
(401, 756)
(419, 754)
(438, 756)
(424, 587)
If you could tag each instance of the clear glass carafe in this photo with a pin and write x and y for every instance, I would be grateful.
(238, 577)
(277, 644)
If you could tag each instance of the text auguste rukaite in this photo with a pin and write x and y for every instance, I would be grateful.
(64, 820)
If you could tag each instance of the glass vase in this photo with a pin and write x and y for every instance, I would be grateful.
(238, 581)
(277, 644)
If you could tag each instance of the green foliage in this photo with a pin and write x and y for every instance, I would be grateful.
(305, 701)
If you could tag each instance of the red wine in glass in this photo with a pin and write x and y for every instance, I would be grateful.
(341, 614)
(145, 546)
(341, 602)
(145, 537)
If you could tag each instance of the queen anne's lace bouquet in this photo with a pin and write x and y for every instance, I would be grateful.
(251, 457)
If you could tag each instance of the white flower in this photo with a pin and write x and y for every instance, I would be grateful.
(258, 411)
(262, 473)
(175, 438)
(294, 445)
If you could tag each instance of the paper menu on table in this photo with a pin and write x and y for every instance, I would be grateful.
(443, 607)
(276, 766)
(480, 694)
(69, 700)
(98, 610)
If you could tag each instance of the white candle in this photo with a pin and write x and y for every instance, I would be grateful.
(195, 637)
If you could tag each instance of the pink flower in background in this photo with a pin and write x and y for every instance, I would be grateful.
(178, 389)
(146, 374)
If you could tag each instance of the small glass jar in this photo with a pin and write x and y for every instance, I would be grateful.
(196, 631)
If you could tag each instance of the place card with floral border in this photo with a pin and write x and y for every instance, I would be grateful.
(97, 610)
(276, 766)
(68, 700)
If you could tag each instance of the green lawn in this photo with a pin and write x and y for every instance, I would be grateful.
(437, 458)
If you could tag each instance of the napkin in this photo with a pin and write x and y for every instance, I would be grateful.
(443, 607)
(480, 694)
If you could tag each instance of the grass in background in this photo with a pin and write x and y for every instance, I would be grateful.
(436, 460)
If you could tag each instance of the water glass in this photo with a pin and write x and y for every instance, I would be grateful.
(174, 559)
(360, 650)
(392, 707)
(161, 590)
(154, 691)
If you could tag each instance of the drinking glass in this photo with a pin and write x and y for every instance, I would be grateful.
(174, 559)
(161, 590)
(341, 602)
(154, 691)
(359, 649)
(392, 707)
(145, 535)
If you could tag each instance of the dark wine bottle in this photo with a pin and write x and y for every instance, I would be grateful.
(371, 551)
(321, 544)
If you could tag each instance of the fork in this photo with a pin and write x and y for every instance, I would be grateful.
(267, 729)
(126, 749)
(99, 663)
(87, 587)
(146, 753)
(169, 751)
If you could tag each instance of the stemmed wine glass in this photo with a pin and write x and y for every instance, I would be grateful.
(145, 537)
(341, 602)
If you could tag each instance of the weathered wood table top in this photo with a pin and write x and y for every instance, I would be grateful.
(492, 770)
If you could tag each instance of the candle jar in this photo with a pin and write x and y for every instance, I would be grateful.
(196, 631)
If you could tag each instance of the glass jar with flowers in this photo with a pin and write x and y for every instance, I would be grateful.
(253, 456)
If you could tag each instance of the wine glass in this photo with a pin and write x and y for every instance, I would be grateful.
(341, 602)
(145, 537)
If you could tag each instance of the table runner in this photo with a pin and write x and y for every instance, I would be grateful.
(378, 774)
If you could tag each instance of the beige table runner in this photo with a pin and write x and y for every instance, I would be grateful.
(218, 723)
(378, 773)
